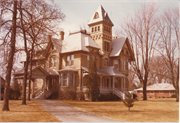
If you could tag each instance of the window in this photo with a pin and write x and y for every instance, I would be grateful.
(70, 60)
(98, 28)
(53, 61)
(171, 93)
(106, 46)
(116, 64)
(92, 29)
(64, 79)
(45, 64)
(106, 62)
(124, 64)
(70, 80)
(36, 63)
(88, 58)
(95, 29)
(161, 92)
(151, 92)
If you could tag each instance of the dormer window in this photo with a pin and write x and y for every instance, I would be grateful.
(96, 15)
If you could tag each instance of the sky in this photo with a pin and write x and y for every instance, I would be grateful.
(79, 12)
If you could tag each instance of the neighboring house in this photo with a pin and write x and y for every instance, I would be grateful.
(2, 86)
(157, 90)
(63, 65)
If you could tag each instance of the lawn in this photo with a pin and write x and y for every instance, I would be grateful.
(32, 112)
(152, 110)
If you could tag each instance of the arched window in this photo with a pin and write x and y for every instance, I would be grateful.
(95, 28)
(98, 28)
(92, 29)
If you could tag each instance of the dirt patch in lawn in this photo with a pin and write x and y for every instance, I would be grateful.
(142, 111)
(32, 112)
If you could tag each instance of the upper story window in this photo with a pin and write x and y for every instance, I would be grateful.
(106, 62)
(124, 64)
(53, 61)
(88, 59)
(70, 60)
(98, 28)
(106, 46)
(92, 29)
(95, 29)
(116, 64)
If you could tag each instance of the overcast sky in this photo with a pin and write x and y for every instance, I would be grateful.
(79, 12)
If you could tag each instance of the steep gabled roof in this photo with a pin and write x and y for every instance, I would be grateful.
(78, 42)
(99, 16)
(117, 45)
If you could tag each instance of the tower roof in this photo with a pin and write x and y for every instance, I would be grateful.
(99, 16)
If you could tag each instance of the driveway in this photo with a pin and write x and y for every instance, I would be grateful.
(66, 113)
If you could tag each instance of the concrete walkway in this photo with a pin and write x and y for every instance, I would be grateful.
(66, 113)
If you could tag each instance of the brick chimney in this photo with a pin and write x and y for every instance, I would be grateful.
(61, 35)
(49, 38)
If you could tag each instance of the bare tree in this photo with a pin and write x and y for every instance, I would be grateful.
(168, 46)
(10, 58)
(141, 31)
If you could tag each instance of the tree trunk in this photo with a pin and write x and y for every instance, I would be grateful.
(25, 80)
(10, 61)
(144, 90)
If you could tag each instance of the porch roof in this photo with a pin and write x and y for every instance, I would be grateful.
(68, 69)
(45, 71)
(108, 71)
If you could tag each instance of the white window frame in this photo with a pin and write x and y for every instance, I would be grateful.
(70, 60)
(65, 79)
(106, 62)
(53, 62)
(88, 59)
(116, 64)
(124, 64)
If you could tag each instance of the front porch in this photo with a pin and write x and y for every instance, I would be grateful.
(109, 81)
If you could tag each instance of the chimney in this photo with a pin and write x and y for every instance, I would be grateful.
(61, 35)
(49, 38)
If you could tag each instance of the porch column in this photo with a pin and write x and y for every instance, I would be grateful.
(61, 79)
(68, 79)
(113, 83)
(74, 79)
(101, 81)
(82, 80)
(109, 82)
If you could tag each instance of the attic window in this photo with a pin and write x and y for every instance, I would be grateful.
(96, 15)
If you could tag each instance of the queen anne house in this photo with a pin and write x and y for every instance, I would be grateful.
(62, 67)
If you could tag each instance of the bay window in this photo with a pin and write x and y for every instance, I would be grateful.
(116, 64)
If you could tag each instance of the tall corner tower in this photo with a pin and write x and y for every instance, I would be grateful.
(100, 27)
